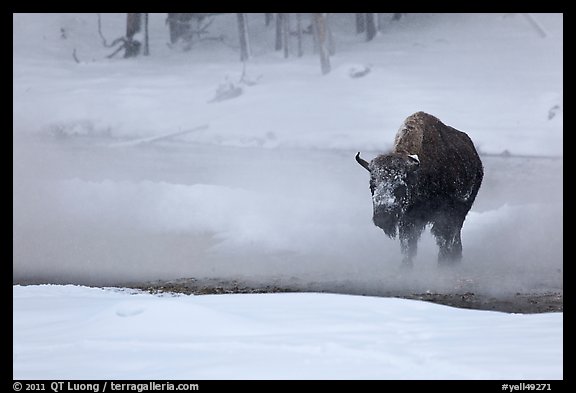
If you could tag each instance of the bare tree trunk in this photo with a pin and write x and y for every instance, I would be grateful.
(360, 23)
(315, 46)
(133, 26)
(146, 37)
(299, 32)
(269, 18)
(381, 22)
(286, 35)
(319, 22)
(243, 34)
(278, 45)
(330, 36)
(371, 26)
(173, 27)
(179, 24)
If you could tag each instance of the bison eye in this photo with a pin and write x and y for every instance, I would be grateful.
(372, 186)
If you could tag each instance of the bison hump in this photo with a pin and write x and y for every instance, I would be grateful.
(410, 135)
(448, 159)
(426, 136)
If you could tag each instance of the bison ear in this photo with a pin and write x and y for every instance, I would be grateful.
(413, 161)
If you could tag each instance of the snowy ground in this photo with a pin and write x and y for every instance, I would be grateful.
(70, 332)
(264, 187)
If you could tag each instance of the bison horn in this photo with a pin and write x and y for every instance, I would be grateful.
(362, 162)
(414, 158)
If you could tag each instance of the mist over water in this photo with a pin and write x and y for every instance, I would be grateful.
(86, 213)
(266, 189)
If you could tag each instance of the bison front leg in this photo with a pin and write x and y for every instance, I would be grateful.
(409, 235)
(409, 247)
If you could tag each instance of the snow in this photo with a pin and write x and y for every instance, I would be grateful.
(74, 332)
(127, 170)
(453, 72)
(386, 181)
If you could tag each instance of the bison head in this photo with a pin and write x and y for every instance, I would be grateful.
(391, 182)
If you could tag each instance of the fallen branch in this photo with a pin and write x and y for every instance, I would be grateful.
(117, 41)
(537, 26)
(156, 138)
(111, 55)
(75, 57)
(227, 91)
(104, 42)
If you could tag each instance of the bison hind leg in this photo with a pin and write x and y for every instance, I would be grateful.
(451, 252)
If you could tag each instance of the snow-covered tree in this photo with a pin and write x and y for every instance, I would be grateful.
(279, 23)
(244, 39)
(360, 23)
(299, 34)
(321, 33)
(371, 26)
(134, 34)
(179, 25)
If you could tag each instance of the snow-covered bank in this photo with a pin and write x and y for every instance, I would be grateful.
(71, 332)
(488, 74)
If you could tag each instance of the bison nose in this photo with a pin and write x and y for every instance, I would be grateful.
(385, 221)
(380, 220)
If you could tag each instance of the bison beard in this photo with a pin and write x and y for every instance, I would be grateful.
(432, 176)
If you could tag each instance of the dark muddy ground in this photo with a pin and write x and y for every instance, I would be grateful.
(525, 303)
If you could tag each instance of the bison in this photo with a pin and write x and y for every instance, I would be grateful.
(432, 176)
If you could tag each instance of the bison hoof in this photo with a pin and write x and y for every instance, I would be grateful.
(449, 262)
(406, 264)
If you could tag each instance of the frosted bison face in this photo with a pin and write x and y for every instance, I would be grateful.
(390, 184)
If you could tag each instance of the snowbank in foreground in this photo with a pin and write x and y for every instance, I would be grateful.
(73, 332)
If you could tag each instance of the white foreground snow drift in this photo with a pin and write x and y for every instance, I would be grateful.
(75, 332)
